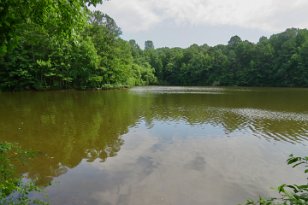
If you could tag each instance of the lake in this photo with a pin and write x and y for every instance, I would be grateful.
(159, 145)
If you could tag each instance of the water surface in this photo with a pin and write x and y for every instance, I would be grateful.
(159, 145)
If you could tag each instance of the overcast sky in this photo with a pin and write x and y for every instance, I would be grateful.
(180, 23)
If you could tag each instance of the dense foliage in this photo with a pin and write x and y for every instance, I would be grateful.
(59, 44)
(64, 16)
(281, 60)
(94, 57)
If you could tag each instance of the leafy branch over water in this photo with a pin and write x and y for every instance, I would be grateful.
(13, 189)
(289, 194)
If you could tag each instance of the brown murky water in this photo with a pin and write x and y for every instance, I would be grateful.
(159, 145)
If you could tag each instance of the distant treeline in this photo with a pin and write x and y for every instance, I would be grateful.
(281, 60)
(92, 55)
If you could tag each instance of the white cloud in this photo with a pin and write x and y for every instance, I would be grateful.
(267, 15)
(131, 15)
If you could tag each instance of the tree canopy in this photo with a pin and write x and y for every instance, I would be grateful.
(281, 60)
(64, 16)
(95, 58)
(59, 44)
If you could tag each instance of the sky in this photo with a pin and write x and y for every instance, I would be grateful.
(180, 23)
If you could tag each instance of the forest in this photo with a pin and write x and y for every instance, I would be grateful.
(61, 45)
(83, 49)
(280, 60)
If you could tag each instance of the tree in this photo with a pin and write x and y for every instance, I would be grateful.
(148, 45)
(135, 48)
(276, 61)
(63, 15)
(234, 40)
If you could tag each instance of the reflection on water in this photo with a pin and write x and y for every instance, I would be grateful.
(158, 145)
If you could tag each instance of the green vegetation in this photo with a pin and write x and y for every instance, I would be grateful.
(60, 17)
(65, 46)
(281, 60)
(289, 194)
(61, 44)
(13, 189)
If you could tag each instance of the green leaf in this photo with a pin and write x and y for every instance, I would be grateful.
(293, 160)
(281, 188)
(298, 164)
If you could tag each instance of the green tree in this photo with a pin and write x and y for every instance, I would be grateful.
(64, 16)
(278, 61)
(148, 45)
